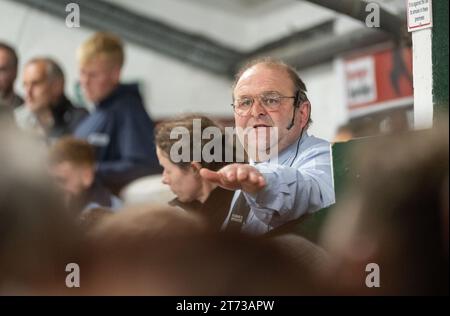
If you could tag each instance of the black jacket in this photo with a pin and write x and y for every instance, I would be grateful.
(122, 133)
(66, 118)
(214, 210)
(95, 196)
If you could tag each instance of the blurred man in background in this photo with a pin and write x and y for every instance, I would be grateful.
(120, 129)
(47, 111)
(8, 74)
(72, 164)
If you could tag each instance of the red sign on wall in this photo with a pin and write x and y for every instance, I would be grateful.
(379, 79)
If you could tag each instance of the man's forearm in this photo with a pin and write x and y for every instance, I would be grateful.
(291, 193)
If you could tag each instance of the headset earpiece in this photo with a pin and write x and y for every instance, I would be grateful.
(297, 99)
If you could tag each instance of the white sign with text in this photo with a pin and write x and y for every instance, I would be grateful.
(419, 14)
(360, 80)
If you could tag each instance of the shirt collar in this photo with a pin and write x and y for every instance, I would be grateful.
(288, 153)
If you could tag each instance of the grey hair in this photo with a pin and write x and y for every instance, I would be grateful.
(53, 71)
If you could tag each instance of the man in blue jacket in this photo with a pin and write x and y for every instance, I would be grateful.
(120, 128)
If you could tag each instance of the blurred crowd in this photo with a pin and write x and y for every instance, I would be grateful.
(63, 167)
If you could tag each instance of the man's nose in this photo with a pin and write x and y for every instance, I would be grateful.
(164, 179)
(257, 108)
(84, 80)
(28, 91)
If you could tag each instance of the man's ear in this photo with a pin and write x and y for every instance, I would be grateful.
(304, 112)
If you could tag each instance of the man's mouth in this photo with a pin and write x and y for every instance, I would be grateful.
(260, 125)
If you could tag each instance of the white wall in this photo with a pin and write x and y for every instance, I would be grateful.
(326, 94)
(169, 86)
(422, 78)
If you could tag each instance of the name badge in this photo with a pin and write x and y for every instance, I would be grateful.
(237, 218)
(98, 139)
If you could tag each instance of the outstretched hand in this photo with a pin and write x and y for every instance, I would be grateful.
(235, 177)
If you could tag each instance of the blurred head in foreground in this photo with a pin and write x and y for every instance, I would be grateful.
(72, 164)
(37, 239)
(395, 218)
(166, 251)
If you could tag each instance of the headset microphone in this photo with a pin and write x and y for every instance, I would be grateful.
(296, 105)
(292, 122)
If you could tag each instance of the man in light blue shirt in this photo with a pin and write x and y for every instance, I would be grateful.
(269, 96)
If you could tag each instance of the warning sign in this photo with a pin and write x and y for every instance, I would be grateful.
(419, 14)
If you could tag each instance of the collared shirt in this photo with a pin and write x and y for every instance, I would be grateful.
(63, 120)
(300, 182)
(27, 120)
(12, 101)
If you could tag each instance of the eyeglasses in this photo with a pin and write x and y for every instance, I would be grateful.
(271, 102)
